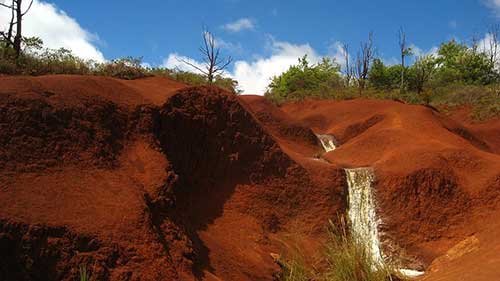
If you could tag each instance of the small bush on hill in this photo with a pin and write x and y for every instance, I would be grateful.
(125, 68)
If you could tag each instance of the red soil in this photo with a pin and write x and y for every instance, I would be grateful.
(141, 183)
(438, 178)
(152, 180)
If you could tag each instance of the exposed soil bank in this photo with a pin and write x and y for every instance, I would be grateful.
(142, 182)
(437, 176)
(153, 180)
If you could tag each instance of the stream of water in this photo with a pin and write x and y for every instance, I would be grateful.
(327, 142)
(362, 215)
(361, 210)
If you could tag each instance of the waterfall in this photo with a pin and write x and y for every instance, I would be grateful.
(362, 215)
(361, 210)
(327, 142)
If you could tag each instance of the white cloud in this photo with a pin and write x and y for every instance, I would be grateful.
(56, 29)
(232, 47)
(253, 77)
(486, 45)
(336, 51)
(453, 24)
(494, 5)
(418, 52)
(175, 61)
(239, 25)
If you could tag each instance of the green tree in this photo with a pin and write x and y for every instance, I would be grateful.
(459, 63)
(382, 77)
(305, 78)
(421, 72)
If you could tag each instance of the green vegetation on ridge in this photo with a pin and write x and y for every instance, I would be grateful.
(455, 75)
(37, 60)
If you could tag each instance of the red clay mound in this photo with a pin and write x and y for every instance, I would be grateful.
(437, 180)
(140, 183)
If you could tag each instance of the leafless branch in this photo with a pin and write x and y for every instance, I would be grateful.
(403, 52)
(212, 61)
(363, 61)
(5, 5)
(192, 65)
(29, 7)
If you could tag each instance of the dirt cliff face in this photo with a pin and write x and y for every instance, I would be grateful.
(141, 184)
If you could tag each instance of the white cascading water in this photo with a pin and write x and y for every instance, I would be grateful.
(361, 210)
(362, 215)
(327, 142)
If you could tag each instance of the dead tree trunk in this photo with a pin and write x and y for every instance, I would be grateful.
(492, 52)
(363, 61)
(348, 71)
(404, 51)
(213, 63)
(17, 15)
(19, 26)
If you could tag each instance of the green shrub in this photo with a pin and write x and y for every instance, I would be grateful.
(8, 67)
(125, 68)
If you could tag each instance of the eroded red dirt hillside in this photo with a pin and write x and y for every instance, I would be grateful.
(151, 180)
(437, 178)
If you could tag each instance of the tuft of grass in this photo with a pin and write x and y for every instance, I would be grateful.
(348, 258)
(83, 273)
(294, 269)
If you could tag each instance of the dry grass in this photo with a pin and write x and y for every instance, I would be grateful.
(346, 259)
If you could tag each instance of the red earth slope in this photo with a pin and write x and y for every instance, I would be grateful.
(438, 179)
(148, 180)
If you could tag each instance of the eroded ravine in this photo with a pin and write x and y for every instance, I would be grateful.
(361, 212)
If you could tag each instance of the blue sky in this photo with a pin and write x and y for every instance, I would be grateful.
(263, 37)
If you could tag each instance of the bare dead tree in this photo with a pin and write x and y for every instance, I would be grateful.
(404, 52)
(7, 35)
(17, 15)
(213, 64)
(363, 61)
(475, 43)
(492, 48)
(347, 68)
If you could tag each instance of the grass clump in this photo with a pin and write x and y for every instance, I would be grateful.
(346, 258)
(83, 273)
(294, 269)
